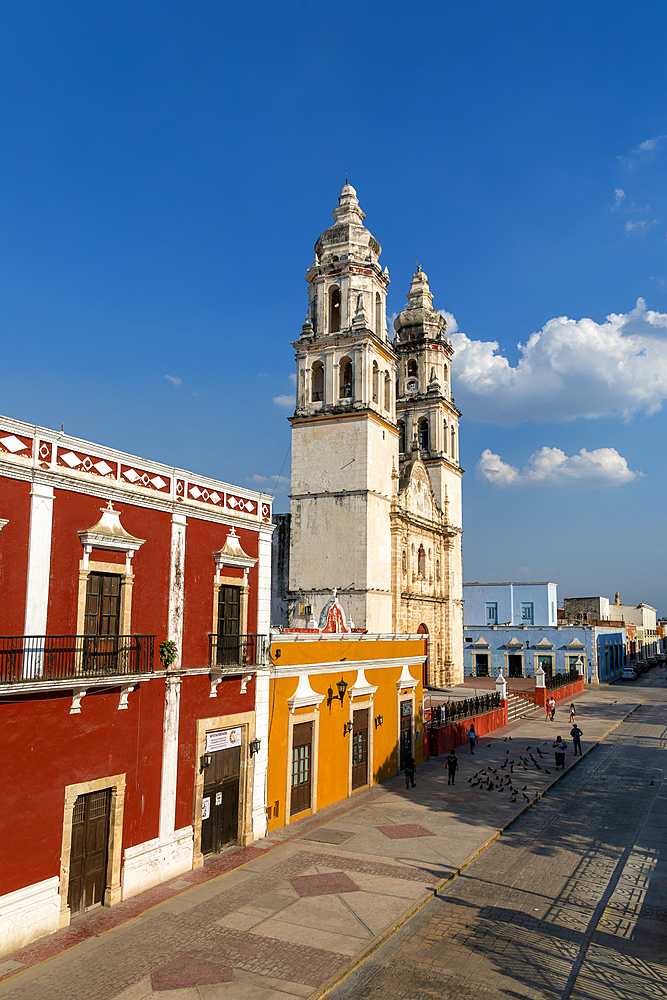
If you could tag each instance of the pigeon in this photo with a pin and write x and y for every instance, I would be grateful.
(509, 737)
(527, 748)
(526, 797)
(524, 788)
(546, 772)
(490, 788)
(650, 782)
(505, 740)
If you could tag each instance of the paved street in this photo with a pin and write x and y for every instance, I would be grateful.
(570, 902)
(554, 896)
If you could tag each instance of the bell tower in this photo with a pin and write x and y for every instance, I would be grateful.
(425, 407)
(344, 432)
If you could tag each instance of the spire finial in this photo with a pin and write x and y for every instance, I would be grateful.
(419, 267)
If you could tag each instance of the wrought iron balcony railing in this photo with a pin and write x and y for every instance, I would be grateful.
(560, 680)
(28, 658)
(454, 711)
(237, 650)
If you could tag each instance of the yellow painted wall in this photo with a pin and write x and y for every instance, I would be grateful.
(334, 747)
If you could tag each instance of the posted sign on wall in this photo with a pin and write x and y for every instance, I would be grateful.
(223, 739)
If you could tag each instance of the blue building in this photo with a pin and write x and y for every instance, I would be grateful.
(520, 650)
(510, 604)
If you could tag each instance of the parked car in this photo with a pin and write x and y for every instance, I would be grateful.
(628, 674)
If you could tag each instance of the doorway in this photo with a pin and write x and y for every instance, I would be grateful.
(482, 664)
(101, 623)
(302, 754)
(89, 851)
(515, 665)
(220, 802)
(406, 731)
(360, 748)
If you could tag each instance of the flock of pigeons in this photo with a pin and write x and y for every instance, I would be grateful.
(490, 780)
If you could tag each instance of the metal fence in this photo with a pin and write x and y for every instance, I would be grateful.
(237, 650)
(560, 680)
(452, 711)
(60, 657)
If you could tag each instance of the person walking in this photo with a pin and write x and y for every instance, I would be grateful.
(409, 766)
(548, 707)
(452, 766)
(576, 734)
(573, 713)
(560, 746)
(472, 737)
(553, 708)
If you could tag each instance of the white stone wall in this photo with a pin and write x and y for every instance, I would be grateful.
(28, 914)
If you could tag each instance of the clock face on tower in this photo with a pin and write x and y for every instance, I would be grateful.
(411, 385)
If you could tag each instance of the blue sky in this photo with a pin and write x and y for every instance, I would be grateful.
(167, 168)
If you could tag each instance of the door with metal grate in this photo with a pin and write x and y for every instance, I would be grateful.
(220, 802)
(89, 850)
(302, 745)
(360, 748)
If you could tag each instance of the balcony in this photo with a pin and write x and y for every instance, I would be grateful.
(240, 651)
(30, 659)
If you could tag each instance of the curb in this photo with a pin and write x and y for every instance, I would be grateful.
(389, 932)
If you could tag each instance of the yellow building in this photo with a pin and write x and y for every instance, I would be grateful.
(344, 707)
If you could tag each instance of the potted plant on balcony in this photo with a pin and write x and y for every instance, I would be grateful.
(168, 653)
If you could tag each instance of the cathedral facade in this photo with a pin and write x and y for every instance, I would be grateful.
(376, 480)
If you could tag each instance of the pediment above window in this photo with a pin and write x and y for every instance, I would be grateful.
(109, 534)
(232, 554)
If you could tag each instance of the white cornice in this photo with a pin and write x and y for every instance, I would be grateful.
(336, 666)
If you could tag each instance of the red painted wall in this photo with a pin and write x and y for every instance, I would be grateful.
(202, 539)
(74, 512)
(196, 703)
(43, 748)
(15, 508)
(442, 739)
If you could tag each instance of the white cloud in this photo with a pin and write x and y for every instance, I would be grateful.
(551, 467)
(619, 197)
(285, 402)
(643, 151)
(640, 226)
(292, 378)
(173, 379)
(571, 368)
(452, 325)
(277, 482)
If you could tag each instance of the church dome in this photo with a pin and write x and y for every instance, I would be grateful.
(348, 235)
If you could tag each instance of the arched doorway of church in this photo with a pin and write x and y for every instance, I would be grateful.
(423, 630)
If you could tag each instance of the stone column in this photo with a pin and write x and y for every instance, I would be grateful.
(39, 568)
(540, 687)
(172, 697)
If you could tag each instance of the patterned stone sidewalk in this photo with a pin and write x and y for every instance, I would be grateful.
(279, 919)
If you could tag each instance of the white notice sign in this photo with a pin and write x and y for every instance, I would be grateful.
(206, 807)
(223, 739)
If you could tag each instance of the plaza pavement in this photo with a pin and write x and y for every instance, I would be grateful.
(291, 916)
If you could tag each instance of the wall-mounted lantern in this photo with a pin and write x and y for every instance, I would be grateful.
(342, 688)
(378, 720)
(205, 762)
(347, 728)
(254, 746)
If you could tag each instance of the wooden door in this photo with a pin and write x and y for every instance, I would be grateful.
(302, 748)
(102, 620)
(360, 748)
(229, 625)
(406, 731)
(220, 802)
(89, 851)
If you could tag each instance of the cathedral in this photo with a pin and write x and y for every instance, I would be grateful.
(376, 479)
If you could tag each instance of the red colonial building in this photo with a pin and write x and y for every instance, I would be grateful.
(125, 760)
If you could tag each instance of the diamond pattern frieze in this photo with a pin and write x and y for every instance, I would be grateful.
(241, 503)
(86, 463)
(139, 477)
(13, 444)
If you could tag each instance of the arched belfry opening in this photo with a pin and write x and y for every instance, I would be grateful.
(378, 315)
(317, 378)
(346, 383)
(376, 382)
(334, 310)
(401, 436)
(387, 392)
(423, 434)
